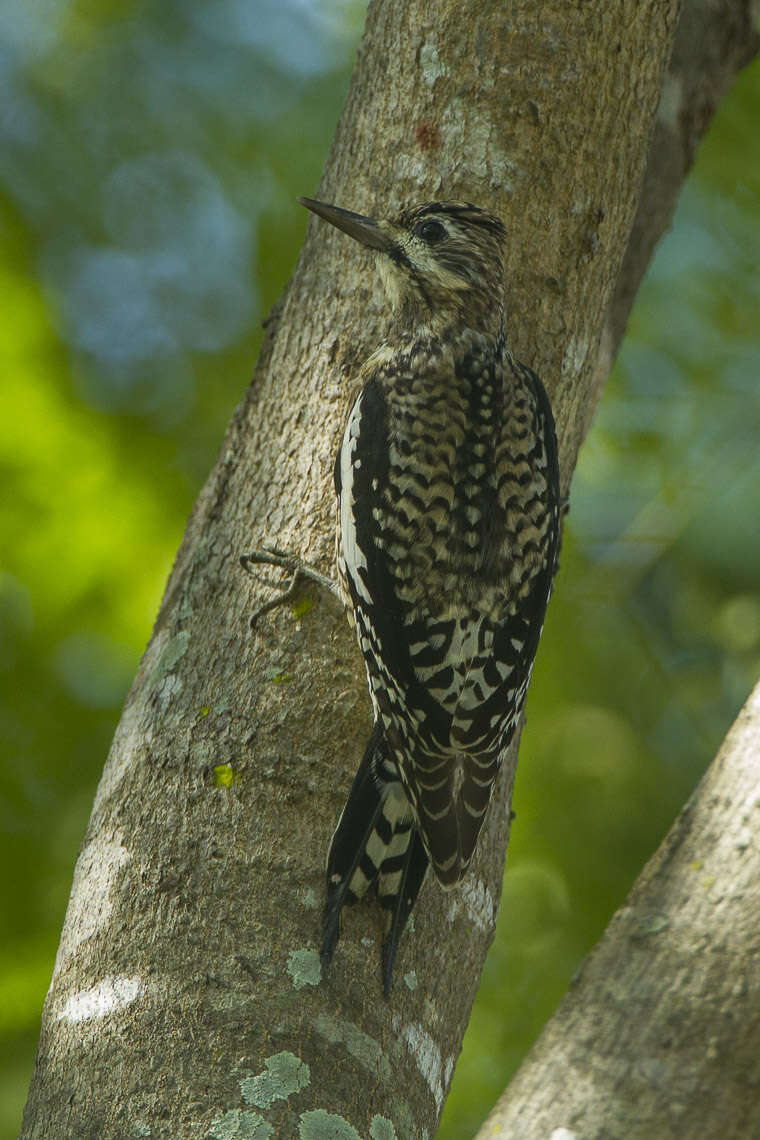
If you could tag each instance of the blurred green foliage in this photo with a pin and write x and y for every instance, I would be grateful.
(150, 154)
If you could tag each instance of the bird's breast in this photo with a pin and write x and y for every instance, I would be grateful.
(461, 519)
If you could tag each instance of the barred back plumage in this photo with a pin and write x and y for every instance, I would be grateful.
(448, 530)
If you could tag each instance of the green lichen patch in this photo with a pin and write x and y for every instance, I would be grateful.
(410, 980)
(367, 1051)
(650, 924)
(285, 1074)
(277, 676)
(302, 606)
(381, 1128)
(304, 967)
(171, 654)
(321, 1125)
(311, 899)
(239, 1124)
(225, 776)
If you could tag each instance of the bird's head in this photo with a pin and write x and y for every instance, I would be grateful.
(440, 262)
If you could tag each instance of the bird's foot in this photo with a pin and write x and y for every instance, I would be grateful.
(299, 572)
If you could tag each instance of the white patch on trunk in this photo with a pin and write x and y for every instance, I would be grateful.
(427, 1055)
(96, 876)
(106, 997)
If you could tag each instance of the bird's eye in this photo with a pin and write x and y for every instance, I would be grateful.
(432, 232)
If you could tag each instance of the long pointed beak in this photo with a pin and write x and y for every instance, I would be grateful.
(366, 230)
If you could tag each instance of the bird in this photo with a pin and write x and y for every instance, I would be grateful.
(447, 538)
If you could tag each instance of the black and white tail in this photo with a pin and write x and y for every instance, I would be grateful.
(376, 844)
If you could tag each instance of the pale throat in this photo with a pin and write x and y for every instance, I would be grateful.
(439, 313)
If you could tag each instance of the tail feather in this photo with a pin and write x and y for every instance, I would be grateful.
(347, 860)
(376, 843)
(400, 902)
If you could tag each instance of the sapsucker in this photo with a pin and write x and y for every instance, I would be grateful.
(448, 531)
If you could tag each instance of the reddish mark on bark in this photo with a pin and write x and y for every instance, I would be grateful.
(428, 136)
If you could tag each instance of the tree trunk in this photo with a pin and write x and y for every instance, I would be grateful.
(186, 998)
(659, 1035)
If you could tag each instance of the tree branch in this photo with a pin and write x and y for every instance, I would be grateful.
(659, 1033)
(712, 45)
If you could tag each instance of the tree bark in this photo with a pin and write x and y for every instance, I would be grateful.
(186, 998)
(659, 1035)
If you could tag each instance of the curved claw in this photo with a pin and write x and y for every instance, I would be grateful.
(298, 570)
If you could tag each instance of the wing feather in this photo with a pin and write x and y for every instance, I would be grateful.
(447, 689)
